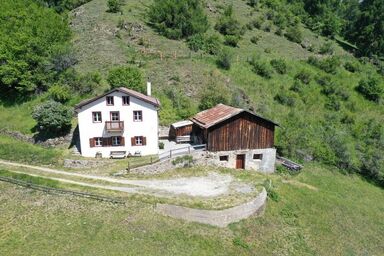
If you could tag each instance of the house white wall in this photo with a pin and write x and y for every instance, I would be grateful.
(147, 128)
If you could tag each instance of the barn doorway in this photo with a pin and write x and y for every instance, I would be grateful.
(240, 161)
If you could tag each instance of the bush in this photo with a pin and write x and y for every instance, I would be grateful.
(129, 77)
(227, 24)
(177, 19)
(213, 95)
(53, 118)
(271, 192)
(231, 40)
(371, 88)
(224, 60)
(255, 39)
(327, 48)
(304, 76)
(257, 23)
(329, 65)
(196, 42)
(285, 99)
(114, 6)
(252, 3)
(294, 34)
(352, 66)
(279, 65)
(267, 27)
(260, 67)
(59, 93)
(161, 145)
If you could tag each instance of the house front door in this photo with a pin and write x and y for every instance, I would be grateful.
(240, 161)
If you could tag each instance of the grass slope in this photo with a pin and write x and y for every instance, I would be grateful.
(320, 212)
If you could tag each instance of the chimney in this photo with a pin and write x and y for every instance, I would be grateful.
(149, 89)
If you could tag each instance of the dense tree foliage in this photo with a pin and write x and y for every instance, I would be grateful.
(129, 77)
(178, 18)
(33, 41)
(53, 118)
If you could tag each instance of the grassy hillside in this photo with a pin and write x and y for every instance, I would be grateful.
(320, 212)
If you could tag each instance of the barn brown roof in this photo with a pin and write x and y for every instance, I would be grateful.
(143, 97)
(219, 113)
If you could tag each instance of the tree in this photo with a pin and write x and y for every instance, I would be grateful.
(177, 19)
(214, 94)
(129, 77)
(32, 38)
(53, 118)
(367, 30)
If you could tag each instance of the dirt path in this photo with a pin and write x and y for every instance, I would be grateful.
(211, 185)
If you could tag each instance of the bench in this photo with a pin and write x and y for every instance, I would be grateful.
(117, 154)
(137, 153)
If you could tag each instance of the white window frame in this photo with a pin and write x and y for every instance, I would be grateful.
(96, 115)
(137, 116)
(139, 141)
(116, 141)
(98, 142)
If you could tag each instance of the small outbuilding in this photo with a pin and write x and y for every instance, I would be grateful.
(181, 131)
(236, 138)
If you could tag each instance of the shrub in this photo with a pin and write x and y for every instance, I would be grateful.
(53, 118)
(279, 32)
(224, 60)
(370, 88)
(267, 27)
(329, 65)
(352, 66)
(213, 95)
(227, 24)
(129, 77)
(326, 48)
(161, 145)
(231, 40)
(260, 67)
(114, 5)
(196, 42)
(255, 39)
(257, 23)
(212, 45)
(285, 99)
(271, 192)
(177, 19)
(252, 3)
(59, 93)
(294, 34)
(279, 65)
(297, 86)
(304, 76)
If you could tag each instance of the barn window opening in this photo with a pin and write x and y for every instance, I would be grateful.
(223, 158)
(257, 156)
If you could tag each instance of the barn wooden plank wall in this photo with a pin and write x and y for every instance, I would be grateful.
(180, 131)
(243, 131)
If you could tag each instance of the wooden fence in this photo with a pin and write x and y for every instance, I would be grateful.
(181, 151)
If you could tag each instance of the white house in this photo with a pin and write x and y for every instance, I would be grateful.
(119, 122)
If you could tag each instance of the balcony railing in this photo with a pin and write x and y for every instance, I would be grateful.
(114, 126)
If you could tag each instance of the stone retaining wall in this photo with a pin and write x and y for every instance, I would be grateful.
(219, 218)
(80, 164)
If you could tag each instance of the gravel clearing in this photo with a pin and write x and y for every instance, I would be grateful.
(212, 185)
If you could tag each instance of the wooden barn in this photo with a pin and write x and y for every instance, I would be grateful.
(236, 137)
(181, 131)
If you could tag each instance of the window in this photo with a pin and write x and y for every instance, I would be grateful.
(125, 100)
(257, 156)
(223, 158)
(96, 117)
(137, 116)
(115, 116)
(98, 142)
(139, 141)
(110, 100)
(116, 141)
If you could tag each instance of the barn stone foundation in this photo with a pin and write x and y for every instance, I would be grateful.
(262, 160)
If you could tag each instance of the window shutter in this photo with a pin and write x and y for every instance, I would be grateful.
(110, 141)
(122, 141)
(133, 141)
(91, 142)
(105, 142)
(144, 141)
